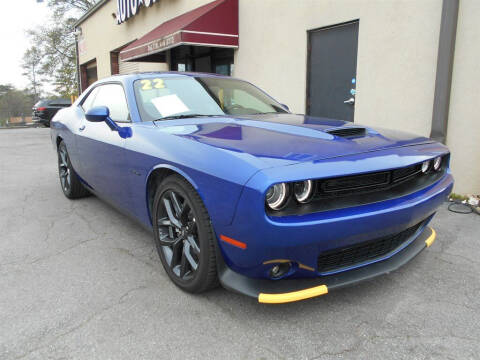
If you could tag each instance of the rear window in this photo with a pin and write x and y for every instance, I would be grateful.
(41, 103)
(53, 102)
(60, 102)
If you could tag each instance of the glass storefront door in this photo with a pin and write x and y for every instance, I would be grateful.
(202, 59)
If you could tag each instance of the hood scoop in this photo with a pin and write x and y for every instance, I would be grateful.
(347, 132)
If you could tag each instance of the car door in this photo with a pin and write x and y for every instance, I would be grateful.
(101, 150)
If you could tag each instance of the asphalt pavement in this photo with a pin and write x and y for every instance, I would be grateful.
(78, 280)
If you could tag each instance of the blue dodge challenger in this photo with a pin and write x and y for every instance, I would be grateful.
(241, 192)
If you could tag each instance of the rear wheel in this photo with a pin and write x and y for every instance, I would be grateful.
(184, 235)
(69, 181)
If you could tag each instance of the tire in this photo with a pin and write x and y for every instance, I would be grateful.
(70, 183)
(184, 236)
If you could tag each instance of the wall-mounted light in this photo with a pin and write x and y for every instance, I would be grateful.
(78, 31)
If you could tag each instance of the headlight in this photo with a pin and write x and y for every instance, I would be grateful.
(425, 166)
(277, 196)
(437, 163)
(303, 191)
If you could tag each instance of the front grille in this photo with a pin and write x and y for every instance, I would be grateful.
(347, 132)
(355, 182)
(367, 188)
(404, 173)
(365, 182)
(363, 252)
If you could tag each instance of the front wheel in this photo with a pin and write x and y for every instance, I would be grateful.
(184, 236)
(69, 181)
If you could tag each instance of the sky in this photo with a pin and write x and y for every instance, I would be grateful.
(16, 17)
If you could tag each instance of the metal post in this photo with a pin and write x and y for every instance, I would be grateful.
(443, 81)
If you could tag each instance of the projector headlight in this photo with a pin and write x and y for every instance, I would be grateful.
(277, 196)
(437, 163)
(425, 166)
(303, 191)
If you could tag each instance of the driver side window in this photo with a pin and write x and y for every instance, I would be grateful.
(113, 97)
(87, 104)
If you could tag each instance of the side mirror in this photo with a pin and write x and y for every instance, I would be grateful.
(97, 114)
(102, 114)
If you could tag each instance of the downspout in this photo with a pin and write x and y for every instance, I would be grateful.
(79, 87)
(443, 80)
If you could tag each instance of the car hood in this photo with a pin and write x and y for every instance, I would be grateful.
(285, 139)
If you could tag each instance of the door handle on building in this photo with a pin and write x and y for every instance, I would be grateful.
(350, 101)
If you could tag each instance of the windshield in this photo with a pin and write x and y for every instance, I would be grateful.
(159, 98)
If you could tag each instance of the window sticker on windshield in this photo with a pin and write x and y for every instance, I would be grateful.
(158, 84)
(148, 84)
(169, 105)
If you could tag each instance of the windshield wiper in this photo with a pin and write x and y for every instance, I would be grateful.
(265, 113)
(185, 116)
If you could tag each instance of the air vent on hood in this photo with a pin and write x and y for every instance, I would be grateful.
(347, 131)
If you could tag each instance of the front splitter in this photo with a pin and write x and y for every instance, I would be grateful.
(289, 290)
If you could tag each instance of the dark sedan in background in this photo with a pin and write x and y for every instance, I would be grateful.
(44, 110)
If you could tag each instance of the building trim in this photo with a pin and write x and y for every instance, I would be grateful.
(179, 44)
(208, 33)
(90, 12)
(176, 33)
(443, 80)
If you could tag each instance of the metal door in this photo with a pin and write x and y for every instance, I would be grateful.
(332, 64)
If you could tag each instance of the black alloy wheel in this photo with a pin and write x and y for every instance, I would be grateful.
(64, 169)
(69, 181)
(178, 235)
(184, 235)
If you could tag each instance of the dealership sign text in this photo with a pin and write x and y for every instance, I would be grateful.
(129, 8)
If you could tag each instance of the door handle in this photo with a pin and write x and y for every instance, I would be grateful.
(350, 101)
(81, 128)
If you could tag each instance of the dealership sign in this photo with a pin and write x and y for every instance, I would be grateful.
(129, 8)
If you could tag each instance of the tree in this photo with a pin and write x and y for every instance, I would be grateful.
(66, 6)
(31, 66)
(14, 103)
(57, 44)
(5, 88)
(58, 54)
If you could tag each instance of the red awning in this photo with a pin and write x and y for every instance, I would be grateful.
(214, 24)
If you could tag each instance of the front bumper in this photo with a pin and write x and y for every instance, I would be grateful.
(289, 290)
(302, 239)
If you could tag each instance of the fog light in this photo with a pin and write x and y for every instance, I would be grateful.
(275, 270)
(279, 270)
(425, 166)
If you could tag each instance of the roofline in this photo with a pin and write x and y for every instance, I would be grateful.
(90, 12)
(138, 74)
